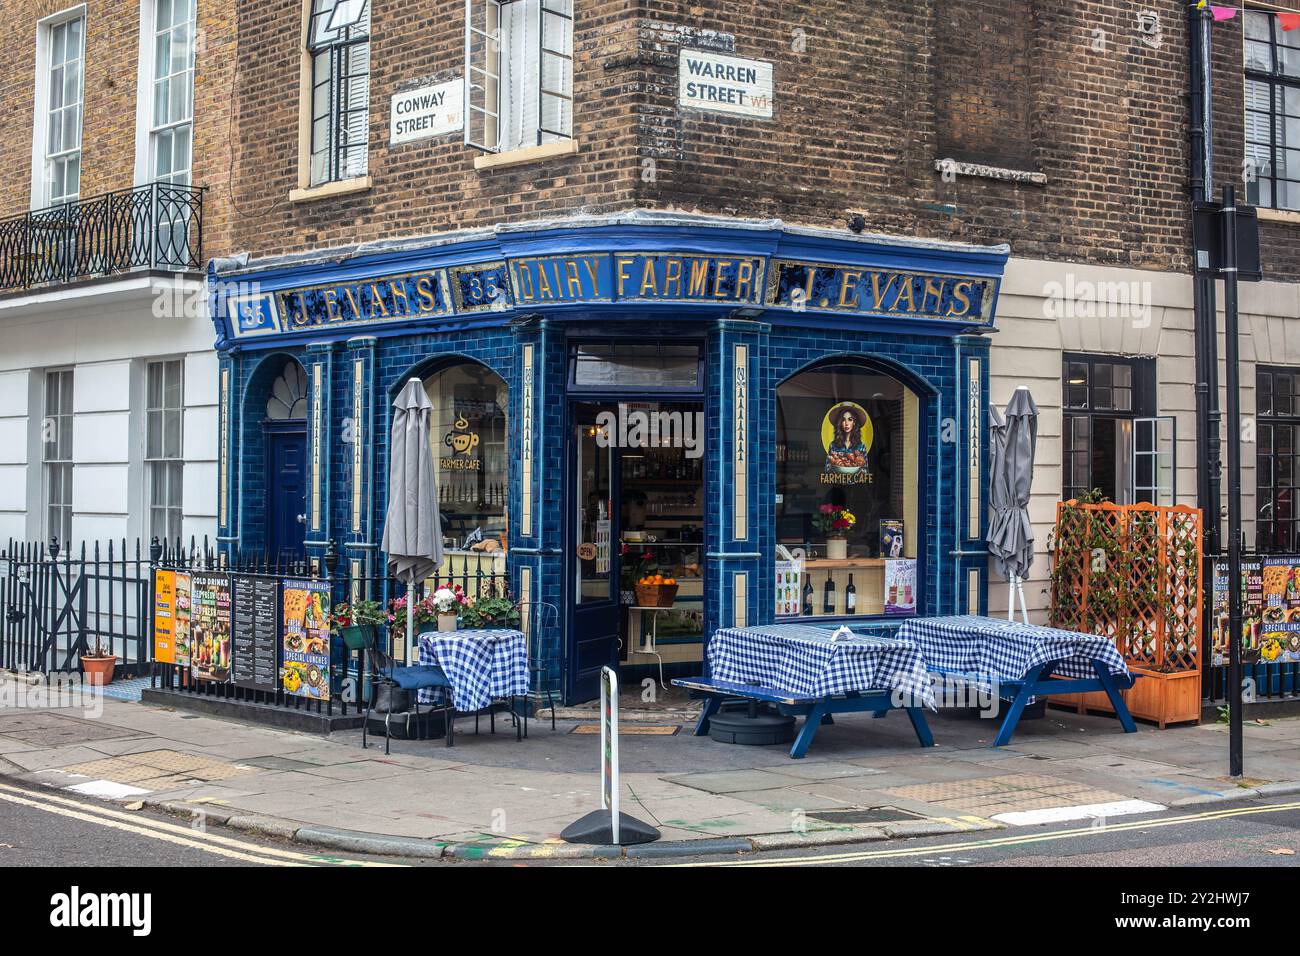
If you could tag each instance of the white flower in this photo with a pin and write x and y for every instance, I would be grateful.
(445, 601)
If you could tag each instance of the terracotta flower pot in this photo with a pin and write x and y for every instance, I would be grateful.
(99, 670)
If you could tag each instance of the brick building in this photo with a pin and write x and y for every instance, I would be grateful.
(837, 232)
(115, 165)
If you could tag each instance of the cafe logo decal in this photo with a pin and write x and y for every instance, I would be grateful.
(847, 434)
(462, 442)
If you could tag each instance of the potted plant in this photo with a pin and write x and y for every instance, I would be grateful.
(98, 667)
(835, 522)
(491, 612)
(423, 614)
(358, 623)
(448, 602)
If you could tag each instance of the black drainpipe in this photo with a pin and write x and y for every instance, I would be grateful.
(1209, 472)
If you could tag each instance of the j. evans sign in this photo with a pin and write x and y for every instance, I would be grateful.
(601, 278)
(724, 84)
(426, 111)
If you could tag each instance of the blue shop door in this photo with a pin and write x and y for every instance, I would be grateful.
(592, 563)
(286, 483)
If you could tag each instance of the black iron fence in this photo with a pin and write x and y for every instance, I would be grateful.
(156, 226)
(57, 604)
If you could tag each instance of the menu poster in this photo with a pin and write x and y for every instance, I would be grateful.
(164, 616)
(900, 586)
(788, 576)
(1270, 610)
(184, 596)
(210, 648)
(306, 639)
(256, 632)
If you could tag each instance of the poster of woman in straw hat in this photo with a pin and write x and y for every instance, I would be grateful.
(847, 435)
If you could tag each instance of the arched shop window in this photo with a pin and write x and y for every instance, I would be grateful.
(846, 493)
(470, 458)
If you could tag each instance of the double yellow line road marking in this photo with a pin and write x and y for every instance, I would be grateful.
(167, 832)
(1007, 841)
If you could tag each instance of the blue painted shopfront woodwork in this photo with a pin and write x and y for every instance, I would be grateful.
(765, 300)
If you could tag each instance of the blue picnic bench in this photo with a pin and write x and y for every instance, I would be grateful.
(1021, 662)
(814, 710)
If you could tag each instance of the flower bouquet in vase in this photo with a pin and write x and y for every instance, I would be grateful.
(835, 522)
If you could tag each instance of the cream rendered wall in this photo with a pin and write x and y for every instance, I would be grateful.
(1046, 309)
(106, 334)
(1049, 308)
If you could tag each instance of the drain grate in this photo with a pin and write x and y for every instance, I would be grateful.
(865, 815)
(626, 730)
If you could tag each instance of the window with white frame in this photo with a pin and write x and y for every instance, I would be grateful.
(164, 411)
(60, 126)
(1272, 99)
(171, 123)
(338, 45)
(518, 73)
(56, 455)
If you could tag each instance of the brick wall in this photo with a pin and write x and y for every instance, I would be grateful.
(1279, 242)
(869, 96)
(109, 106)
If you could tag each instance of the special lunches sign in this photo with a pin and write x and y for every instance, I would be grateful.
(602, 278)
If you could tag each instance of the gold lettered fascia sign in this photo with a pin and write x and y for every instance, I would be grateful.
(861, 290)
(412, 295)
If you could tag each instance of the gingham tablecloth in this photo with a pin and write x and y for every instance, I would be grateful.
(806, 662)
(995, 648)
(481, 665)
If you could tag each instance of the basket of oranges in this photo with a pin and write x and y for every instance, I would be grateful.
(656, 590)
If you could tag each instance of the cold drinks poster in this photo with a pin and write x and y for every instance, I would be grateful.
(306, 636)
(210, 648)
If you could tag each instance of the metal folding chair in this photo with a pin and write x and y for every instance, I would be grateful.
(542, 615)
(411, 679)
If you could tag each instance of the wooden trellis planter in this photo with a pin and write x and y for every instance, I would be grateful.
(1133, 574)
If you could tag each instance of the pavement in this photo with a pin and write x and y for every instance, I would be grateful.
(494, 797)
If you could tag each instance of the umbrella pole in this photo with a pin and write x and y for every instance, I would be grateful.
(410, 623)
(1011, 597)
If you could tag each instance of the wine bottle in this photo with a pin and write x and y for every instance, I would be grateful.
(828, 595)
(850, 598)
(807, 595)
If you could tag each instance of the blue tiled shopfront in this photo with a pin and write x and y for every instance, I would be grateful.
(559, 320)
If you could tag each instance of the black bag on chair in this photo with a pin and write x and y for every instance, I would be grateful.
(390, 698)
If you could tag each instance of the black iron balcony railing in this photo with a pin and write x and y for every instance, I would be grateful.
(156, 227)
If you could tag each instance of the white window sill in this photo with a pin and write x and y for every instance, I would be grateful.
(1278, 215)
(526, 154)
(952, 168)
(341, 187)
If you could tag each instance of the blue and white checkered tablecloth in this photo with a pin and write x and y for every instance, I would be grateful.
(989, 647)
(481, 665)
(806, 662)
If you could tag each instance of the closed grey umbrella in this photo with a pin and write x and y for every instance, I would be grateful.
(1010, 535)
(412, 528)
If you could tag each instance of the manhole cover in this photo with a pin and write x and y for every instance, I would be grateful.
(54, 730)
(865, 815)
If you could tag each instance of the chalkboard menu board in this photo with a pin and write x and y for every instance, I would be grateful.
(256, 632)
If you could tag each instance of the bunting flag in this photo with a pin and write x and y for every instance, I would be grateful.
(1287, 21)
